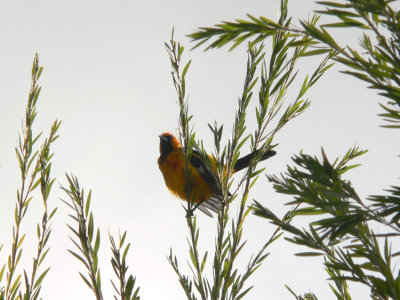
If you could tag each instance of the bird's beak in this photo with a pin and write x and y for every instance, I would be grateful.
(162, 137)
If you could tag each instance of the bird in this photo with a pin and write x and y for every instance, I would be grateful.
(205, 192)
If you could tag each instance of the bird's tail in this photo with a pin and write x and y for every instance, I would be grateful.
(244, 161)
(214, 204)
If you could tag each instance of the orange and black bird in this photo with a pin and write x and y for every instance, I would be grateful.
(205, 188)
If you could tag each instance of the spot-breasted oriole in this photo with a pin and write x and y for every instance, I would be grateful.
(204, 190)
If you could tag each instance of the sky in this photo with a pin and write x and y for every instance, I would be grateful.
(107, 77)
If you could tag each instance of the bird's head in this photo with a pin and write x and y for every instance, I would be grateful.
(168, 143)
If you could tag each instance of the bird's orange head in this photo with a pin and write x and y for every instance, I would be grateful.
(168, 143)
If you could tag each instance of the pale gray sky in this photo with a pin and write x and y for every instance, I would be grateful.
(107, 77)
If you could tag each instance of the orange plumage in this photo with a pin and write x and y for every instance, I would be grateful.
(204, 190)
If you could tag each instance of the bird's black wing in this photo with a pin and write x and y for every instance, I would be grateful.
(214, 203)
(197, 161)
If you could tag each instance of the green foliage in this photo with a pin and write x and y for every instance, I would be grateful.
(35, 166)
(88, 246)
(118, 262)
(33, 284)
(377, 64)
(342, 233)
(341, 290)
(307, 296)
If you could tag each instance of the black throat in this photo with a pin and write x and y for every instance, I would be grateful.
(165, 148)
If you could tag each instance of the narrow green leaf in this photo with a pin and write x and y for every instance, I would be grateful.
(39, 280)
(309, 254)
